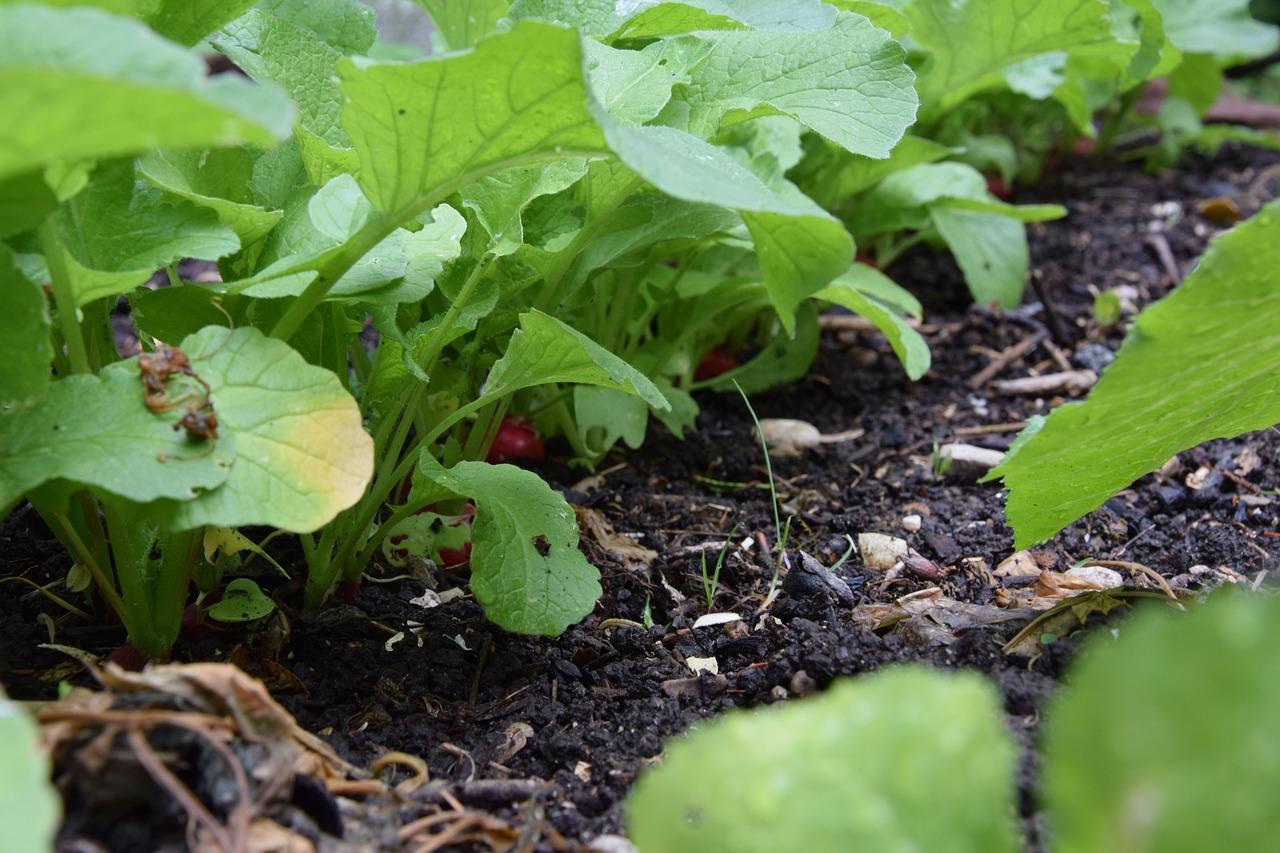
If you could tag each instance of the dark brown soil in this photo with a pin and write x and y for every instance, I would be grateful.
(599, 701)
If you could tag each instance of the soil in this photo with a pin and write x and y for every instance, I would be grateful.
(587, 711)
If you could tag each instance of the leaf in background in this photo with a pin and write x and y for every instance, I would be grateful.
(849, 83)
(837, 175)
(862, 290)
(1163, 739)
(901, 200)
(96, 430)
(29, 804)
(604, 415)
(1202, 363)
(25, 348)
(65, 70)
(348, 25)
(526, 570)
(301, 452)
(544, 350)
(865, 766)
(970, 42)
(426, 129)
(460, 24)
(800, 246)
(119, 230)
(886, 14)
(1223, 28)
(640, 21)
(217, 179)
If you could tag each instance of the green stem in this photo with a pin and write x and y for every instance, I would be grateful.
(172, 272)
(435, 344)
(1107, 138)
(108, 591)
(64, 297)
(549, 297)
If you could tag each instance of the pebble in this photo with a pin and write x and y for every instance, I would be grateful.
(911, 523)
(879, 551)
(968, 462)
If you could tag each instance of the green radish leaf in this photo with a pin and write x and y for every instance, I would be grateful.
(632, 85)
(424, 130)
(269, 45)
(217, 179)
(641, 21)
(971, 42)
(29, 804)
(301, 452)
(544, 350)
(97, 431)
(64, 70)
(786, 358)
(991, 250)
(499, 201)
(348, 25)
(800, 246)
(119, 230)
(242, 601)
(836, 176)
(849, 83)
(604, 415)
(1182, 377)
(526, 570)
(1223, 28)
(1119, 770)
(25, 348)
(25, 201)
(902, 199)
(861, 289)
(424, 534)
(841, 771)
(188, 21)
(460, 24)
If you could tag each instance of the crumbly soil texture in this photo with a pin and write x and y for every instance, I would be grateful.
(547, 735)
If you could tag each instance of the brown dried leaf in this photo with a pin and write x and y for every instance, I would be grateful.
(622, 548)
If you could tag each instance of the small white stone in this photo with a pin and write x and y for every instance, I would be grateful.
(1104, 578)
(1020, 565)
(879, 551)
(911, 523)
(700, 665)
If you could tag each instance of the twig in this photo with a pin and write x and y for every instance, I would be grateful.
(986, 429)
(1069, 381)
(1160, 246)
(1004, 359)
(1059, 357)
(1139, 569)
(1050, 312)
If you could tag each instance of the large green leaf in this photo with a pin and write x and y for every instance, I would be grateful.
(500, 200)
(970, 42)
(861, 290)
(1223, 28)
(526, 569)
(119, 230)
(544, 350)
(301, 452)
(97, 431)
(460, 24)
(25, 349)
(908, 759)
(1202, 363)
(29, 804)
(65, 70)
(1165, 740)
(849, 83)
(426, 129)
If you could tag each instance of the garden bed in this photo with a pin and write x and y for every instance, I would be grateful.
(586, 712)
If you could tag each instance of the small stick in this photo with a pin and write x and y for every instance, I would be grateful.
(1138, 568)
(987, 429)
(1050, 312)
(1058, 356)
(1160, 246)
(1071, 381)
(1004, 359)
